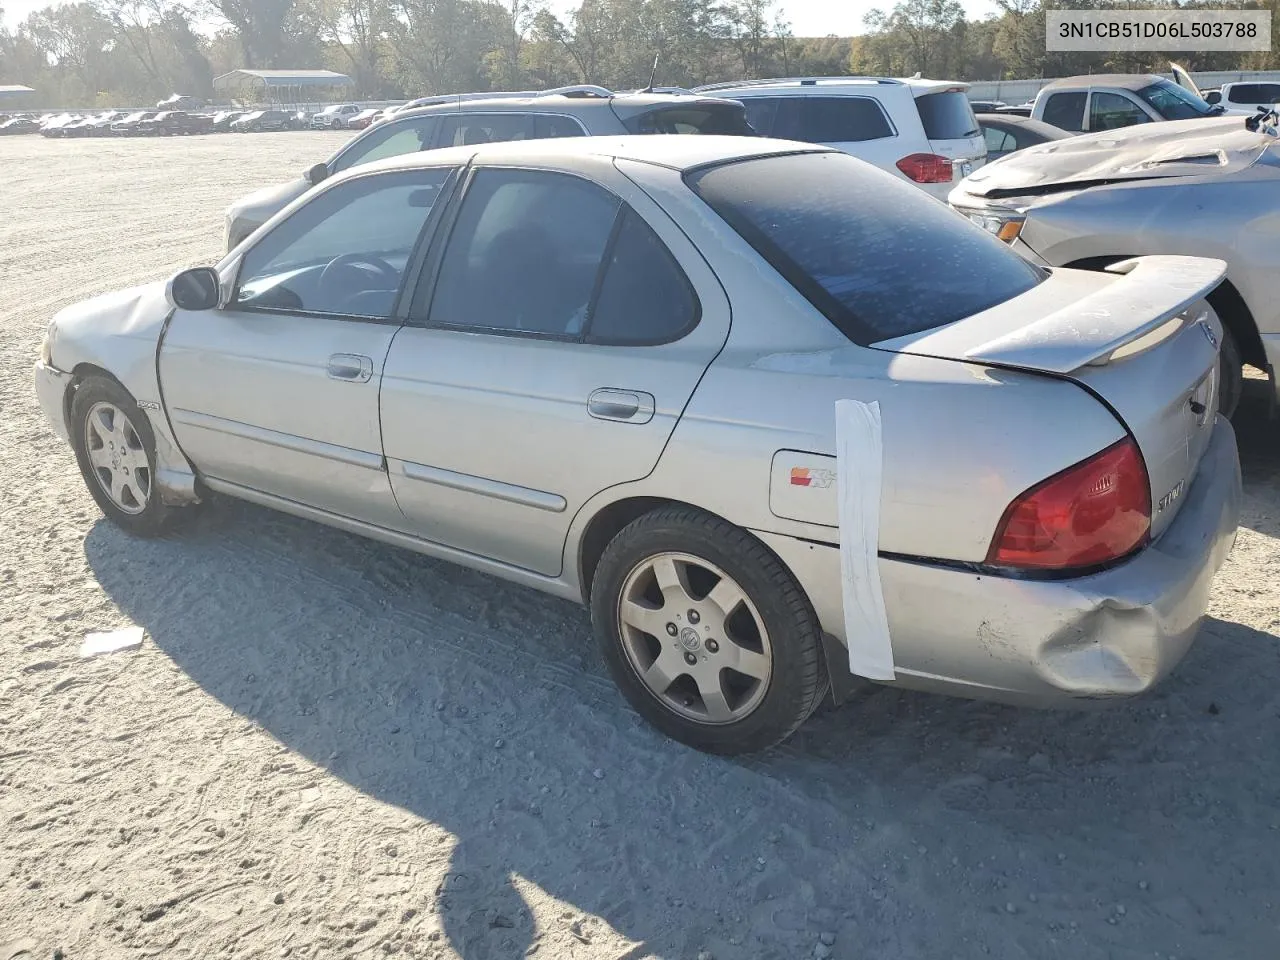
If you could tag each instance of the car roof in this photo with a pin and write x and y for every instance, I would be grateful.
(1121, 81)
(917, 85)
(679, 153)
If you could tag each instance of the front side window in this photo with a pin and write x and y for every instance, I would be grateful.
(1110, 111)
(830, 120)
(879, 258)
(346, 251)
(1176, 103)
(393, 140)
(1066, 111)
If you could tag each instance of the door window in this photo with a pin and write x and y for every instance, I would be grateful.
(998, 141)
(346, 251)
(524, 254)
(1066, 111)
(830, 119)
(393, 140)
(550, 125)
(468, 129)
(1110, 111)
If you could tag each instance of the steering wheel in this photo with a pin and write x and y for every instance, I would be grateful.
(327, 284)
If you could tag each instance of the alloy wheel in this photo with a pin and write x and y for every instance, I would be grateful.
(118, 457)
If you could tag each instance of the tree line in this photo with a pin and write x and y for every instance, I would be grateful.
(115, 52)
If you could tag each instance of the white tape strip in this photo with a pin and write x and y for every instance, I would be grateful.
(859, 466)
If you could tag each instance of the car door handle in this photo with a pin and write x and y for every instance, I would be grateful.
(350, 366)
(631, 406)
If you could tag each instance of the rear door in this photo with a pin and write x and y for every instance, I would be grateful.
(565, 329)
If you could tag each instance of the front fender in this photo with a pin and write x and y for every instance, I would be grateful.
(118, 335)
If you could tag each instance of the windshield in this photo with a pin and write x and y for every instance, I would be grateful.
(878, 257)
(1176, 103)
(724, 119)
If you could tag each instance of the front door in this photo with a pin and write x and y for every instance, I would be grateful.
(278, 392)
(569, 324)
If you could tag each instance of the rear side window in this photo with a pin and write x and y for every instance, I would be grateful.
(947, 116)
(545, 127)
(1065, 111)
(761, 112)
(998, 140)
(468, 129)
(1254, 93)
(830, 119)
(716, 119)
(878, 257)
(645, 297)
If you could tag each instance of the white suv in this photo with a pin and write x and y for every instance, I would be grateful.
(924, 131)
(335, 116)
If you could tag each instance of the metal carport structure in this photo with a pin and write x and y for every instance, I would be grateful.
(279, 86)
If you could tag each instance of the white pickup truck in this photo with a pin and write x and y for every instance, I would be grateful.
(1110, 101)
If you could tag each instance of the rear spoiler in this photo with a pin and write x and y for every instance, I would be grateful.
(1090, 331)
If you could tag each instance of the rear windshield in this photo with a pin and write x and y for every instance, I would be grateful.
(718, 119)
(879, 257)
(947, 116)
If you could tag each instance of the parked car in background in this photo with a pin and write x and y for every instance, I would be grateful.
(223, 119)
(172, 123)
(1260, 95)
(1005, 133)
(180, 102)
(680, 478)
(986, 106)
(1017, 110)
(563, 112)
(1112, 101)
(55, 126)
(1195, 187)
(19, 125)
(363, 119)
(922, 131)
(129, 126)
(100, 126)
(258, 121)
(335, 116)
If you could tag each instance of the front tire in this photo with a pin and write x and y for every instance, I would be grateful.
(116, 450)
(706, 633)
(1230, 375)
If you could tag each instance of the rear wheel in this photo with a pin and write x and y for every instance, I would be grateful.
(116, 451)
(706, 632)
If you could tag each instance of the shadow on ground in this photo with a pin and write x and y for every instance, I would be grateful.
(908, 825)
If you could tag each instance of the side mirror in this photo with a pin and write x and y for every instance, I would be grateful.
(1213, 97)
(199, 288)
(316, 174)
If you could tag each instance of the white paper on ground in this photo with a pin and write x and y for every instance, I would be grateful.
(111, 641)
(859, 469)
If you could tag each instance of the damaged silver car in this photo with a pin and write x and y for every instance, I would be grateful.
(1208, 188)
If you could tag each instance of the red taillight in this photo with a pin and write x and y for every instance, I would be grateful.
(1096, 511)
(926, 168)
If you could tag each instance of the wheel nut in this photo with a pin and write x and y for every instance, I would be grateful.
(690, 659)
(713, 647)
(671, 630)
(693, 616)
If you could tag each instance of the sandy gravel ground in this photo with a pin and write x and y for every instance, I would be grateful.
(330, 748)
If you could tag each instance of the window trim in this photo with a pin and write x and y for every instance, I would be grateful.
(408, 278)
(418, 303)
(827, 95)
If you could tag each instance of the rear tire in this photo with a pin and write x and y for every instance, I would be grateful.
(116, 451)
(725, 681)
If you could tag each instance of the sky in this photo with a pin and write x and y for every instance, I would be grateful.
(809, 18)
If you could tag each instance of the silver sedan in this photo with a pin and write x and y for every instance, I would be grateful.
(779, 420)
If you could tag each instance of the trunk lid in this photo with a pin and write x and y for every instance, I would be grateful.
(1137, 336)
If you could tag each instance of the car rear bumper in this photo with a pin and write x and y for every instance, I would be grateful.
(51, 390)
(1047, 642)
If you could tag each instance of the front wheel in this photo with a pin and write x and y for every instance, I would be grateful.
(1230, 375)
(116, 451)
(706, 633)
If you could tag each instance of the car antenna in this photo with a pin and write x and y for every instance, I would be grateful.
(653, 74)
